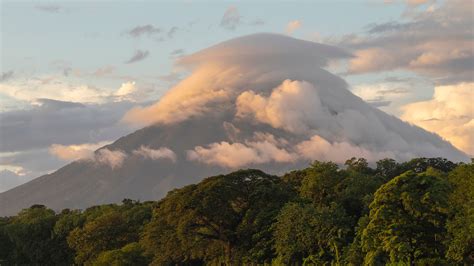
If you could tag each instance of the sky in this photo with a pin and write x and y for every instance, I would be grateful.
(70, 71)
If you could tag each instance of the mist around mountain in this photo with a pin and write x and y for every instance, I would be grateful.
(263, 100)
(413, 213)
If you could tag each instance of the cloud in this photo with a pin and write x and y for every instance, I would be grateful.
(60, 89)
(138, 56)
(75, 152)
(294, 106)
(278, 83)
(222, 72)
(59, 122)
(231, 18)
(53, 88)
(381, 94)
(436, 42)
(6, 75)
(235, 155)
(126, 91)
(318, 148)
(30, 163)
(139, 31)
(112, 159)
(155, 154)
(450, 113)
(172, 31)
(177, 53)
(50, 8)
(293, 25)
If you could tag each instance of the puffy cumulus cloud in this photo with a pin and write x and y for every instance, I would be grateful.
(317, 148)
(126, 91)
(231, 18)
(293, 25)
(112, 159)
(264, 148)
(155, 154)
(450, 113)
(301, 108)
(294, 105)
(220, 73)
(75, 152)
(437, 42)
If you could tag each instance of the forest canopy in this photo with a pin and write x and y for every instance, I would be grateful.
(419, 212)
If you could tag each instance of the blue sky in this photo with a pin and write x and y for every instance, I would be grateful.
(407, 56)
(87, 36)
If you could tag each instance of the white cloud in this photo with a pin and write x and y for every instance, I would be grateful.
(318, 148)
(381, 94)
(263, 149)
(60, 89)
(75, 152)
(278, 81)
(294, 105)
(113, 159)
(222, 72)
(450, 113)
(155, 154)
(293, 25)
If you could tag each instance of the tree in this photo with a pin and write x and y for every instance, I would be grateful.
(407, 219)
(227, 214)
(460, 226)
(304, 231)
(31, 234)
(108, 228)
(129, 255)
(322, 183)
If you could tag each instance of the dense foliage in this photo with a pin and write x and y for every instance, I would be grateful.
(419, 212)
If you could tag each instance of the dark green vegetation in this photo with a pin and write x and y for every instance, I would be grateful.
(419, 212)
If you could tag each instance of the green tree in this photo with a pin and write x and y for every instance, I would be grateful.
(322, 183)
(224, 218)
(129, 255)
(461, 223)
(108, 228)
(407, 219)
(316, 234)
(31, 234)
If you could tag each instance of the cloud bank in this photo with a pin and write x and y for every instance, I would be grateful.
(450, 113)
(436, 42)
(268, 79)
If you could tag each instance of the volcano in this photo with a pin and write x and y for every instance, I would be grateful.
(261, 101)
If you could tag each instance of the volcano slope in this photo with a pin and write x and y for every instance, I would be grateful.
(262, 101)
